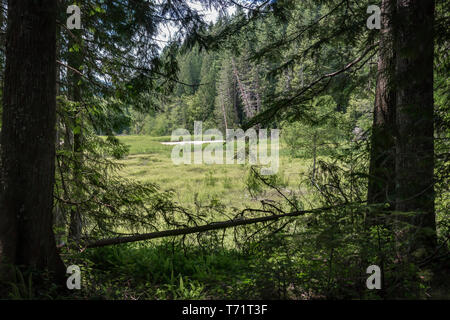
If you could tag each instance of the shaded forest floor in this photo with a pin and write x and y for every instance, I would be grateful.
(312, 258)
(271, 270)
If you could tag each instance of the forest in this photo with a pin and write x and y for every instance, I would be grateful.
(224, 150)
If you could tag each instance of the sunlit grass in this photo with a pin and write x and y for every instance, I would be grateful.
(149, 161)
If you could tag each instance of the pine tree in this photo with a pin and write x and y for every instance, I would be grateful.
(28, 140)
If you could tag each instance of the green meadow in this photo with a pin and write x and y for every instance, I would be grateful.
(150, 161)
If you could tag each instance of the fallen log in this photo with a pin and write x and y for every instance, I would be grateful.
(197, 229)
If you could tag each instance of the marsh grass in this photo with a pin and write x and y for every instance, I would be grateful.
(149, 161)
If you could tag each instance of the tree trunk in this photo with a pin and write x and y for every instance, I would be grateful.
(28, 139)
(224, 113)
(414, 119)
(244, 94)
(382, 155)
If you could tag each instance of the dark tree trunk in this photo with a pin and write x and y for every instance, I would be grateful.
(414, 118)
(28, 138)
(382, 158)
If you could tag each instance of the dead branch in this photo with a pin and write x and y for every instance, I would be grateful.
(197, 229)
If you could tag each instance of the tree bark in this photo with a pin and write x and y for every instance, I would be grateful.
(28, 139)
(414, 118)
(381, 185)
